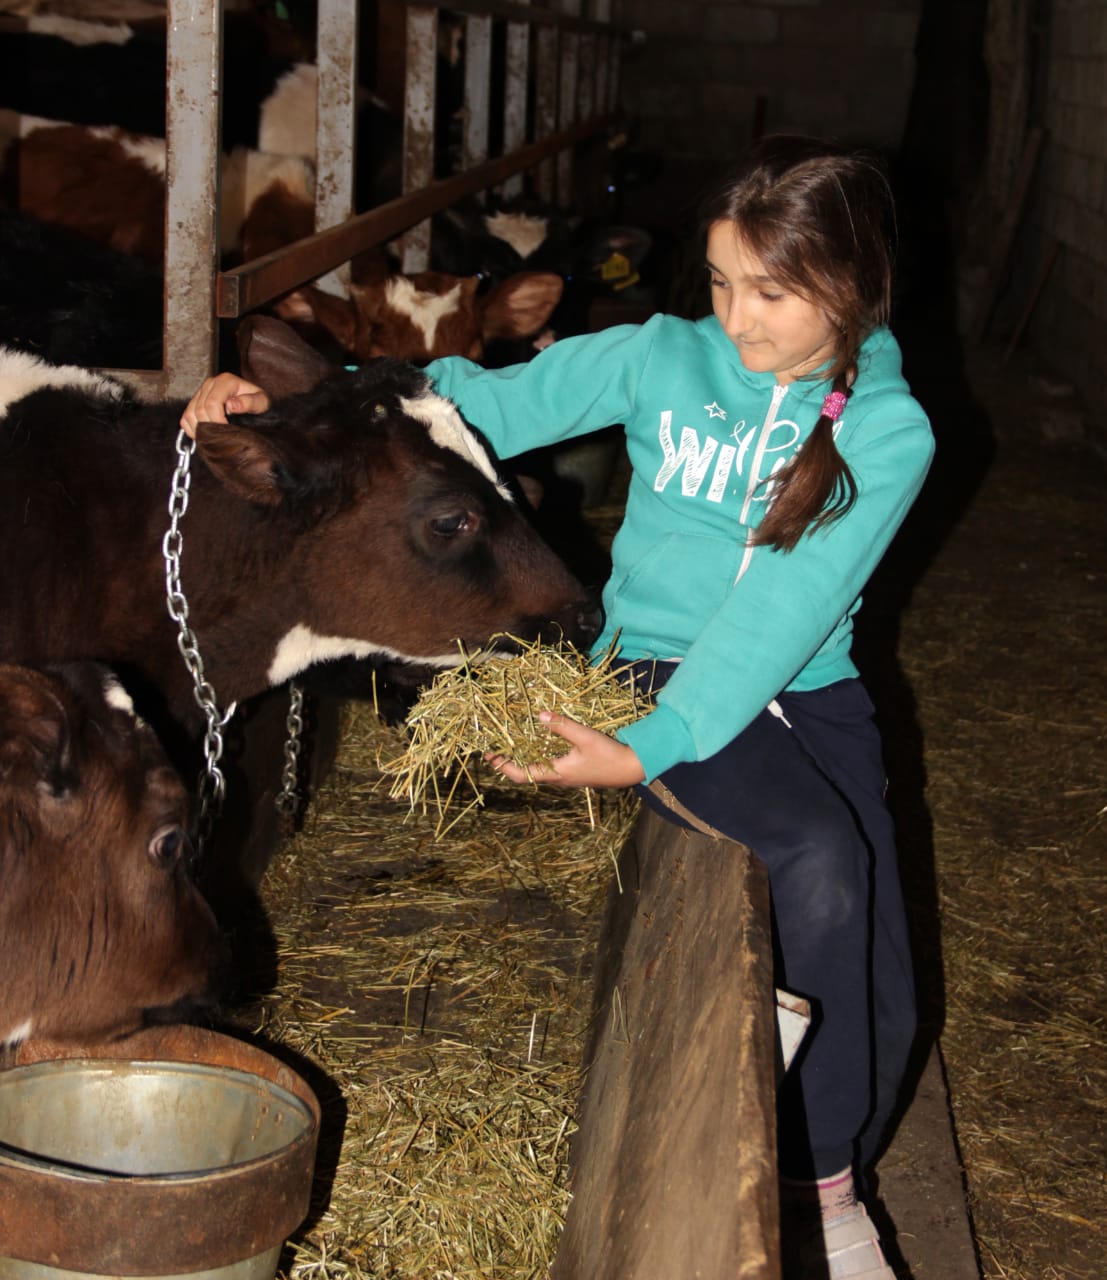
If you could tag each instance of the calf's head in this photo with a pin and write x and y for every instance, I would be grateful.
(406, 541)
(103, 929)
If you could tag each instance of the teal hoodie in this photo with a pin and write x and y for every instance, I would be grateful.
(704, 436)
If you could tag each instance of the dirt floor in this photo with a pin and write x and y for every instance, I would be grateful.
(993, 709)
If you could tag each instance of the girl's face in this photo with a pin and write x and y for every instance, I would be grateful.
(775, 330)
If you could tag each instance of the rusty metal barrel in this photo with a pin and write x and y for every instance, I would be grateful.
(178, 1151)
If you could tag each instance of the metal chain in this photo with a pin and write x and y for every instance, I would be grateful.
(212, 785)
(288, 801)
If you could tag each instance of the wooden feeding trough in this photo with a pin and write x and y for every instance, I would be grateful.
(674, 1168)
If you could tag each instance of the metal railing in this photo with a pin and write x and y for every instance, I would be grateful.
(572, 57)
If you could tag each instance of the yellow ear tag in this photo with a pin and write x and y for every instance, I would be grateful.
(616, 267)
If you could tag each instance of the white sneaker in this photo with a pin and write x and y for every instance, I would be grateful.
(843, 1248)
(853, 1249)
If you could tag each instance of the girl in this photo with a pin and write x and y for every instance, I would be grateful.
(775, 450)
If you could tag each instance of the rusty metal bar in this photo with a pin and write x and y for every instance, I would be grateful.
(515, 97)
(255, 283)
(545, 102)
(196, 293)
(586, 75)
(567, 98)
(418, 162)
(336, 113)
(518, 12)
(194, 65)
(478, 75)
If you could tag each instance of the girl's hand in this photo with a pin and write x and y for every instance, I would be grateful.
(594, 760)
(218, 396)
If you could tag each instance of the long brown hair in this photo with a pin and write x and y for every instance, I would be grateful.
(820, 218)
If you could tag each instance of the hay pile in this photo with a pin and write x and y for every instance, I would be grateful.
(442, 985)
(491, 703)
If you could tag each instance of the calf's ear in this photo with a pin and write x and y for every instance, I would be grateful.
(521, 305)
(244, 461)
(273, 355)
(35, 738)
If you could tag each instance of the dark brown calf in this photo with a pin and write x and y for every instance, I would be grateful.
(102, 927)
(359, 517)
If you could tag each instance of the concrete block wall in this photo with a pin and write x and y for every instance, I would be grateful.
(695, 73)
(1068, 206)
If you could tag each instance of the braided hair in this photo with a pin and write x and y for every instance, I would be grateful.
(819, 218)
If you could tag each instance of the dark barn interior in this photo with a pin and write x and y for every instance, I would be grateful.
(981, 640)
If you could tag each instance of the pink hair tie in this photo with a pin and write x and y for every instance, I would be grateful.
(834, 405)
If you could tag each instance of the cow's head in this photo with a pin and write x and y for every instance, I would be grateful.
(103, 928)
(403, 541)
(428, 314)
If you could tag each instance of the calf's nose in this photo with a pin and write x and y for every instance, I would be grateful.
(589, 621)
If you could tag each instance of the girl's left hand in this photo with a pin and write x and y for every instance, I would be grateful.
(594, 759)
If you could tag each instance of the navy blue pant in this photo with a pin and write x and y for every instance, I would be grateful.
(807, 797)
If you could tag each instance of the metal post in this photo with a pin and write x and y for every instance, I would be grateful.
(336, 119)
(422, 41)
(515, 96)
(194, 62)
(545, 102)
(567, 100)
(478, 74)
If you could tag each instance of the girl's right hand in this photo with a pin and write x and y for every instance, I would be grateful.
(218, 396)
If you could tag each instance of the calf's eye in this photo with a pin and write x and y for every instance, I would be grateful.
(167, 846)
(451, 525)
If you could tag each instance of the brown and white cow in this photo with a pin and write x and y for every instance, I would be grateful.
(427, 314)
(359, 517)
(103, 929)
(108, 184)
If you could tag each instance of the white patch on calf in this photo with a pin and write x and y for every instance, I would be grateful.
(247, 174)
(149, 152)
(20, 374)
(286, 121)
(286, 124)
(14, 124)
(20, 1032)
(449, 430)
(77, 31)
(424, 310)
(118, 697)
(522, 231)
(301, 647)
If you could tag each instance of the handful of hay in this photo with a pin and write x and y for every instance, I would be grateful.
(492, 704)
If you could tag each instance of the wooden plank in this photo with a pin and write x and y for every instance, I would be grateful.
(673, 1164)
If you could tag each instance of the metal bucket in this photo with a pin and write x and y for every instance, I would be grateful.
(178, 1151)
